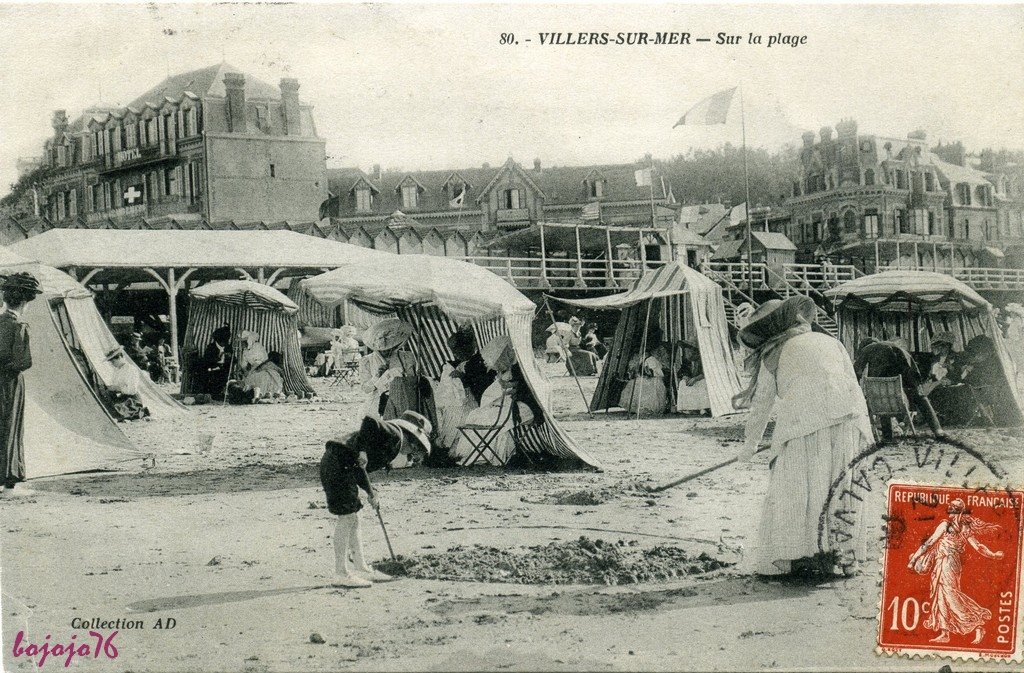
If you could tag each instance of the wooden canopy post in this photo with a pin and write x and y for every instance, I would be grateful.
(172, 312)
(611, 261)
(543, 258)
(643, 252)
(579, 260)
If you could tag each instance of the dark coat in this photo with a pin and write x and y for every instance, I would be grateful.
(885, 359)
(15, 358)
(340, 473)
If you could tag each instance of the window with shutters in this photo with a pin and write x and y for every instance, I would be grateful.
(932, 225)
(849, 222)
(869, 177)
(902, 222)
(73, 204)
(364, 200)
(410, 196)
(512, 199)
(929, 182)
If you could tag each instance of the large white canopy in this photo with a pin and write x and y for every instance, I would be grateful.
(464, 291)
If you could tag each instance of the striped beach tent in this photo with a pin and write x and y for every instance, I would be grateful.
(437, 295)
(244, 305)
(687, 305)
(915, 305)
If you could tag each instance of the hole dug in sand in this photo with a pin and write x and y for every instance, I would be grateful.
(582, 561)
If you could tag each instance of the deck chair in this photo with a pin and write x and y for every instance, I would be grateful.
(482, 437)
(347, 370)
(886, 400)
(982, 401)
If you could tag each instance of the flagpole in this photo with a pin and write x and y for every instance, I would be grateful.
(746, 187)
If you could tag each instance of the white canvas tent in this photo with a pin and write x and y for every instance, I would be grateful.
(687, 305)
(67, 428)
(437, 295)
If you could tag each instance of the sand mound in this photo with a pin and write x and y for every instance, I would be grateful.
(581, 561)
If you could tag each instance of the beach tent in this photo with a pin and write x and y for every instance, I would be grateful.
(915, 305)
(244, 305)
(437, 295)
(67, 428)
(687, 305)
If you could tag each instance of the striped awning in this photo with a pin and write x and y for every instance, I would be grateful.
(903, 291)
(671, 279)
(464, 292)
(246, 293)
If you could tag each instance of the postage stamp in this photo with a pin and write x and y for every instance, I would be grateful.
(951, 572)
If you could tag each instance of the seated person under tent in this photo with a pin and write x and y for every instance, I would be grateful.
(506, 403)
(212, 367)
(259, 374)
(122, 393)
(645, 392)
(462, 384)
(581, 362)
(692, 389)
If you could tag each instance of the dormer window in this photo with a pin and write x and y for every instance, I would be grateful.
(364, 199)
(512, 199)
(929, 182)
(596, 188)
(410, 196)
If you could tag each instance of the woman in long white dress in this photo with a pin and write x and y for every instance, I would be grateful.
(692, 388)
(807, 380)
(645, 392)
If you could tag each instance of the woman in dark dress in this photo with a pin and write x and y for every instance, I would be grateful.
(15, 357)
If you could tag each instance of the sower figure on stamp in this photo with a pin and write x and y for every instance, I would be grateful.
(15, 357)
(807, 379)
(343, 471)
(942, 555)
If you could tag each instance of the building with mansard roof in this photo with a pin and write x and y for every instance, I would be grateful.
(881, 201)
(493, 200)
(212, 144)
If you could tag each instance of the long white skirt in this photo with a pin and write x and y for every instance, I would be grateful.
(797, 490)
(692, 398)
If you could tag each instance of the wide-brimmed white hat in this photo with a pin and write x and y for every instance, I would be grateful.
(416, 425)
(498, 353)
(387, 334)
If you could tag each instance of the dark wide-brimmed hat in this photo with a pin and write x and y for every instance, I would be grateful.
(22, 281)
(416, 425)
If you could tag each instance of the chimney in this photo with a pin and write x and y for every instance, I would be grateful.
(847, 129)
(290, 106)
(826, 134)
(486, 166)
(60, 121)
(234, 86)
(808, 137)
(536, 165)
(376, 171)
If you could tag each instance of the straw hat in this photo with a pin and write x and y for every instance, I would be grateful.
(387, 334)
(113, 353)
(249, 335)
(416, 425)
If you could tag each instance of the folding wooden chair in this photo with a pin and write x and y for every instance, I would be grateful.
(347, 370)
(982, 400)
(481, 437)
(886, 400)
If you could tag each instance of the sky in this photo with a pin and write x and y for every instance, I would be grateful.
(431, 87)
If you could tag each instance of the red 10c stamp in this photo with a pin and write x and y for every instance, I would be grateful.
(951, 572)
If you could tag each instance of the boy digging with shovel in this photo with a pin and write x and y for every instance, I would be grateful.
(344, 470)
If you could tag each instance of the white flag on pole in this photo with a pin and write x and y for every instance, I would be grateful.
(643, 177)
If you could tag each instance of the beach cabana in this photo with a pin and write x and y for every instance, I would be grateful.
(688, 306)
(67, 427)
(437, 295)
(915, 305)
(245, 305)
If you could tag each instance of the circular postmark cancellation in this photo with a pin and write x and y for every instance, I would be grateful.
(946, 528)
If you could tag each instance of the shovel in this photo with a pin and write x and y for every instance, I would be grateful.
(697, 474)
(387, 538)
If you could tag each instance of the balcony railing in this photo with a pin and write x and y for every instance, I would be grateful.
(585, 274)
(513, 216)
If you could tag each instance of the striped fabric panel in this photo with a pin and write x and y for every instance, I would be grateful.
(429, 342)
(278, 332)
(311, 312)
